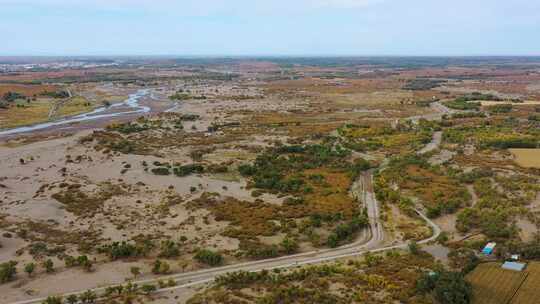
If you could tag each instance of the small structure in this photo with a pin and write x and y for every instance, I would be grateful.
(514, 257)
(489, 248)
(513, 266)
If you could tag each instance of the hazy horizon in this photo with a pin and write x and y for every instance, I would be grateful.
(218, 28)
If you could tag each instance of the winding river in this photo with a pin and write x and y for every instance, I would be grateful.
(132, 103)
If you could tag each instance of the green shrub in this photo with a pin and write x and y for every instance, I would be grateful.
(29, 268)
(289, 245)
(209, 257)
(148, 288)
(53, 300)
(161, 171)
(8, 271)
(501, 108)
(169, 249)
(188, 169)
(121, 250)
(49, 266)
(161, 267)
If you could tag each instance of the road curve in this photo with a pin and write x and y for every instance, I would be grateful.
(358, 248)
(363, 188)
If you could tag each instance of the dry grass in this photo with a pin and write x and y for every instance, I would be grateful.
(249, 220)
(31, 113)
(38, 111)
(380, 136)
(431, 187)
(74, 106)
(335, 86)
(528, 158)
(332, 198)
(293, 124)
(82, 203)
(51, 234)
(26, 90)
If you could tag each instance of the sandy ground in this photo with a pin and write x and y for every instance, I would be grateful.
(447, 223)
(31, 173)
(474, 197)
(442, 157)
(25, 169)
(43, 161)
(527, 229)
(440, 252)
(528, 158)
(177, 296)
(434, 144)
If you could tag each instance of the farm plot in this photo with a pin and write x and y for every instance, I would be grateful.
(528, 158)
(494, 285)
(529, 292)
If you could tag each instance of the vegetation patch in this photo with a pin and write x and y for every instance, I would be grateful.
(81, 203)
(437, 188)
(420, 84)
(404, 138)
(375, 280)
(496, 134)
(496, 207)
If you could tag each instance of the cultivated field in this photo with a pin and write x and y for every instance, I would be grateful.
(494, 285)
(528, 158)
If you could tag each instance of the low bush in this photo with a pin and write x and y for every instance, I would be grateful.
(8, 271)
(209, 257)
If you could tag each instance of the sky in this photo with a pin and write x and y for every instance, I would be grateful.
(269, 27)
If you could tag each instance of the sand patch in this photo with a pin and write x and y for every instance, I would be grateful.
(527, 230)
(528, 158)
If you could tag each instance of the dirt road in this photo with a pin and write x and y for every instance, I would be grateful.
(364, 190)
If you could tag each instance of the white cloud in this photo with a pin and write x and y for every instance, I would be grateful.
(345, 3)
(197, 6)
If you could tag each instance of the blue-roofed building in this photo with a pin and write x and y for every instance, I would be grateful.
(489, 248)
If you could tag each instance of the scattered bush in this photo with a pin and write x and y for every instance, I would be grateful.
(148, 288)
(12, 96)
(121, 250)
(188, 169)
(161, 267)
(48, 265)
(209, 257)
(8, 271)
(53, 300)
(421, 84)
(289, 245)
(447, 287)
(135, 271)
(161, 171)
(169, 249)
(29, 268)
(502, 108)
(72, 299)
(88, 297)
